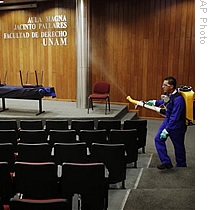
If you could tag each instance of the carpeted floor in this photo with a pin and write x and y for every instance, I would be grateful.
(167, 189)
(157, 199)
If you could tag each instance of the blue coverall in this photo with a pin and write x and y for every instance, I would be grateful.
(175, 125)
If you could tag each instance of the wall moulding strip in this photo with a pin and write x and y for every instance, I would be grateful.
(19, 6)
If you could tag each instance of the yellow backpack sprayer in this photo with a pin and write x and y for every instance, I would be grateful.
(188, 95)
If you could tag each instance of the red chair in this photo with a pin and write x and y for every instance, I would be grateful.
(100, 91)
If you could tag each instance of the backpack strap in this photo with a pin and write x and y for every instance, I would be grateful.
(174, 96)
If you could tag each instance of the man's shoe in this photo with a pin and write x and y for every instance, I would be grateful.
(165, 166)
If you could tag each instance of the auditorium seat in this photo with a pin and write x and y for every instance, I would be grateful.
(39, 152)
(31, 124)
(43, 204)
(7, 154)
(6, 188)
(33, 136)
(56, 125)
(141, 127)
(36, 180)
(70, 152)
(62, 136)
(93, 136)
(87, 180)
(8, 125)
(78, 125)
(129, 139)
(9, 136)
(113, 157)
(108, 125)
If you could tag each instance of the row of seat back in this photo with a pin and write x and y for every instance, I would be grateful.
(127, 137)
(40, 181)
(62, 124)
(77, 125)
(62, 136)
(41, 152)
(76, 153)
(60, 139)
(57, 124)
(113, 155)
(33, 124)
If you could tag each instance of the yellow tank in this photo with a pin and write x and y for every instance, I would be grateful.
(189, 97)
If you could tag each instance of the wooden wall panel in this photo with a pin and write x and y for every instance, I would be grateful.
(142, 42)
(134, 44)
(57, 60)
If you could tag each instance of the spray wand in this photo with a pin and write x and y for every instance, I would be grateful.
(143, 104)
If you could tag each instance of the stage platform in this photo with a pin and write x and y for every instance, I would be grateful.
(27, 109)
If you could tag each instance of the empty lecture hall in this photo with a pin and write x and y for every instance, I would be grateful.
(97, 104)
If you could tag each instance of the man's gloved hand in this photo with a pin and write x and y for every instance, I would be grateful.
(150, 103)
(164, 134)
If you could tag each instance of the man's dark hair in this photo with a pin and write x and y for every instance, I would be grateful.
(171, 81)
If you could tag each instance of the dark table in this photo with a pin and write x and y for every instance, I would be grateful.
(32, 93)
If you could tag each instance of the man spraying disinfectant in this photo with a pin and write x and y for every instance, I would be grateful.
(174, 123)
